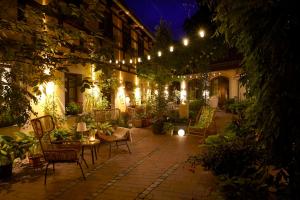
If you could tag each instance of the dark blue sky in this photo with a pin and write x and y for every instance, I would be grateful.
(174, 11)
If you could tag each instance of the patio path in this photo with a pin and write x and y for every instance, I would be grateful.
(156, 169)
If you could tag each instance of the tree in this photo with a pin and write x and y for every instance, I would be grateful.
(32, 50)
(267, 35)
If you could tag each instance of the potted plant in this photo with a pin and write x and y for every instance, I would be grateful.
(10, 149)
(73, 108)
(105, 128)
(34, 151)
(158, 126)
(58, 135)
(168, 128)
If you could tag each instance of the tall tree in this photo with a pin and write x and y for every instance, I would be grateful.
(32, 49)
(267, 34)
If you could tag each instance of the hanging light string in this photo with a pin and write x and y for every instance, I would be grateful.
(133, 61)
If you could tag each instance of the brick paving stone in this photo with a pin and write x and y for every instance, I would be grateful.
(154, 170)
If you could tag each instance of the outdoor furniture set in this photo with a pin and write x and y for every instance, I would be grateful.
(73, 151)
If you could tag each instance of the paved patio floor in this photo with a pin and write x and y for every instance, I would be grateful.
(156, 169)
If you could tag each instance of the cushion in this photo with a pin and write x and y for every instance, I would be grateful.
(120, 132)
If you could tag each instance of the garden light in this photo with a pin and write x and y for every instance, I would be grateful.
(181, 132)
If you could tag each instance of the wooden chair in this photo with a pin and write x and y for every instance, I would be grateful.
(203, 121)
(55, 153)
(121, 136)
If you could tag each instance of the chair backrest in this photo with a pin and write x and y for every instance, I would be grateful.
(106, 115)
(206, 117)
(42, 127)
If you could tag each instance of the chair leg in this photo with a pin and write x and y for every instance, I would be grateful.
(53, 168)
(81, 170)
(46, 171)
(109, 149)
(128, 147)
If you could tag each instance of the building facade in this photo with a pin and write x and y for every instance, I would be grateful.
(123, 39)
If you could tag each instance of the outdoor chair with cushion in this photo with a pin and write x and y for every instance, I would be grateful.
(121, 136)
(206, 118)
(55, 153)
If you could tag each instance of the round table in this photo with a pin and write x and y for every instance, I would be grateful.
(92, 145)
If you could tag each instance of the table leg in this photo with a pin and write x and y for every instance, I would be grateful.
(82, 157)
(92, 155)
(95, 152)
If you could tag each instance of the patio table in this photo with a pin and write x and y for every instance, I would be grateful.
(92, 145)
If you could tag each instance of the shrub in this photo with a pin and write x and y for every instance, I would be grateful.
(73, 108)
(6, 119)
(194, 107)
(167, 127)
(59, 134)
(158, 127)
(231, 157)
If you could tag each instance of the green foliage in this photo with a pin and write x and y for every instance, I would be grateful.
(6, 119)
(30, 140)
(72, 108)
(232, 157)
(124, 118)
(51, 108)
(24, 59)
(158, 126)
(237, 107)
(194, 108)
(253, 187)
(271, 69)
(88, 119)
(11, 149)
(167, 126)
(106, 128)
(59, 134)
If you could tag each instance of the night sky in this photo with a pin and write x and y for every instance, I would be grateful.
(174, 11)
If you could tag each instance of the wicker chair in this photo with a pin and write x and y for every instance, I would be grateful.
(107, 115)
(55, 153)
(121, 136)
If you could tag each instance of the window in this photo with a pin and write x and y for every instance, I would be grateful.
(140, 47)
(72, 88)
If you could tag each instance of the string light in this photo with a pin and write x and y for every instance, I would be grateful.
(159, 53)
(185, 41)
(201, 33)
